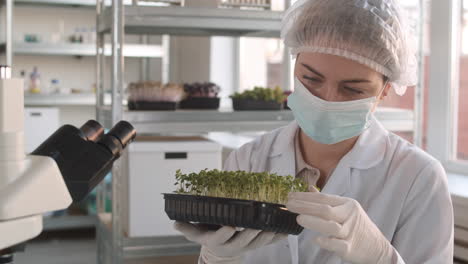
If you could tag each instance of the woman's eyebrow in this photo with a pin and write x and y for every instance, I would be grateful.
(357, 81)
(313, 70)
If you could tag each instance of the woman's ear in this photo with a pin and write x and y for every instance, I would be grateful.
(384, 94)
(385, 91)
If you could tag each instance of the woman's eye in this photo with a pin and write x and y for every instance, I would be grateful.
(312, 79)
(356, 91)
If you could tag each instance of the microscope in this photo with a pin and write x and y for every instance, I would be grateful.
(63, 169)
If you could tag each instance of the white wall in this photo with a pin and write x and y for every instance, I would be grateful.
(71, 72)
(190, 59)
(190, 56)
(45, 21)
(76, 115)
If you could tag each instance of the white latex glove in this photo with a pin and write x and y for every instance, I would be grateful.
(226, 245)
(348, 231)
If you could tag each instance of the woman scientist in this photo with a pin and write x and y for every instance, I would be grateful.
(383, 200)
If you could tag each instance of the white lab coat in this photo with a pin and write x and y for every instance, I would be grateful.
(403, 190)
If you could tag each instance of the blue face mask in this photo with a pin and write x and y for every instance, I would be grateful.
(329, 122)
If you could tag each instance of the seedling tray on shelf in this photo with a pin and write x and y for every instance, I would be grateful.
(200, 103)
(149, 106)
(231, 212)
(247, 104)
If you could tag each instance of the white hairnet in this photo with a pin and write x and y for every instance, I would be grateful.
(371, 32)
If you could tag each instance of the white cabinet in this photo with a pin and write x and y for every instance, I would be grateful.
(39, 124)
(152, 167)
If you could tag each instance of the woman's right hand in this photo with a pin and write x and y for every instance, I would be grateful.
(226, 245)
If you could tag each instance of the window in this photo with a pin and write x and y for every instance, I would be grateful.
(406, 103)
(261, 63)
(462, 144)
(447, 137)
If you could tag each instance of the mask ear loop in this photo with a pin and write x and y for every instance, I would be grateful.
(379, 95)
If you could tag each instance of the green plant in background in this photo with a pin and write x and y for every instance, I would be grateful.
(263, 187)
(262, 94)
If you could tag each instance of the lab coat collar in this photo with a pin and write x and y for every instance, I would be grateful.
(285, 140)
(368, 151)
(282, 158)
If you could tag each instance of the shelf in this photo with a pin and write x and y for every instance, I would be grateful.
(147, 246)
(59, 99)
(83, 99)
(196, 21)
(161, 122)
(69, 222)
(75, 49)
(85, 3)
(250, 6)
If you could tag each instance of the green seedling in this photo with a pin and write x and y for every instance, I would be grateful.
(262, 94)
(262, 187)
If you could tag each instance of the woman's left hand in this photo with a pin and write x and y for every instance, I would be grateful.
(348, 231)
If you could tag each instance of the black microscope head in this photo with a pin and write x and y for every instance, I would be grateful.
(86, 155)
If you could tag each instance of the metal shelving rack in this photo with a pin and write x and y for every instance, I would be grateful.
(75, 49)
(113, 245)
(8, 22)
(10, 49)
(194, 21)
(119, 19)
(147, 122)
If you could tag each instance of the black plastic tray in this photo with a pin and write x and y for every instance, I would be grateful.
(247, 104)
(200, 103)
(231, 212)
(149, 106)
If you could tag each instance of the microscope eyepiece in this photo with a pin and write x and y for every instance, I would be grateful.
(112, 144)
(92, 130)
(118, 138)
(124, 132)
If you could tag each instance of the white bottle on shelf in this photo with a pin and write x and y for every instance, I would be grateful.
(35, 81)
(54, 86)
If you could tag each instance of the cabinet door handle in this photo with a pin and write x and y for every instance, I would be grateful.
(35, 114)
(175, 155)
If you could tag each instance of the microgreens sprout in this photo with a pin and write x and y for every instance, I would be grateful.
(262, 94)
(263, 187)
